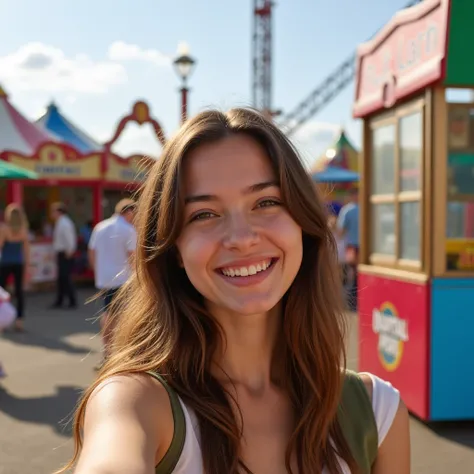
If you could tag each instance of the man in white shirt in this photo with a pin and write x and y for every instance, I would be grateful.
(64, 244)
(111, 246)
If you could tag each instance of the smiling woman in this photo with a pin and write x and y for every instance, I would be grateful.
(229, 337)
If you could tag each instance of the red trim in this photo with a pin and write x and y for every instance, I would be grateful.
(70, 153)
(14, 192)
(60, 182)
(97, 213)
(140, 114)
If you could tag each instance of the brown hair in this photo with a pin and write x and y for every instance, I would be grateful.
(168, 330)
(15, 219)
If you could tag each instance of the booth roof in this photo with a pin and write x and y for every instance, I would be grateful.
(335, 175)
(54, 121)
(16, 132)
(341, 154)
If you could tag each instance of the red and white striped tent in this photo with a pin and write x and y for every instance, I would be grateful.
(17, 133)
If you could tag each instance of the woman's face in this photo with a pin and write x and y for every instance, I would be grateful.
(239, 246)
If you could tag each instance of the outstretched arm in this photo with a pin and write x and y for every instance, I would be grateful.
(128, 427)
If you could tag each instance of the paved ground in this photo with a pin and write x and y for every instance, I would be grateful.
(49, 366)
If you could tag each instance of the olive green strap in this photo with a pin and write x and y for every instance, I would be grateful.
(171, 458)
(357, 421)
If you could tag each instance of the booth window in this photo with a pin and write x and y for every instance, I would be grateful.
(396, 189)
(460, 188)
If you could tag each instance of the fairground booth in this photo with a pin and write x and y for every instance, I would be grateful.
(89, 178)
(415, 94)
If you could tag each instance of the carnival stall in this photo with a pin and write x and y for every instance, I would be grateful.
(18, 136)
(415, 94)
(88, 182)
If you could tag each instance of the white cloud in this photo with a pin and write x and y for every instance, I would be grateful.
(40, 67)
(313, 138)
(121, 51)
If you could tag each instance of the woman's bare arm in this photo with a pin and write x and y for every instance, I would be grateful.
(128, 427)
(394, 454)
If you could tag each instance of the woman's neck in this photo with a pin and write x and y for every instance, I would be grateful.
(246, 356)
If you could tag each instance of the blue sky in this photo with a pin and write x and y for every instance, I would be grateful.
(95, 58)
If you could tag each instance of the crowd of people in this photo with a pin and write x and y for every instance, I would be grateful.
(110, 247)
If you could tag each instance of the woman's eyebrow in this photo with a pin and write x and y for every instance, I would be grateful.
(254, 188)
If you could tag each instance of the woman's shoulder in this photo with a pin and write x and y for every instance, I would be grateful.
(137, 396)
(136, 404)
(131, 388)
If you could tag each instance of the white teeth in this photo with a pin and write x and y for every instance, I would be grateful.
(247, 271)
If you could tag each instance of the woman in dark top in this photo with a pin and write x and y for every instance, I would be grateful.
(14, 260)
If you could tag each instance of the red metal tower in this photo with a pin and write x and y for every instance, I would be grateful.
(262, 56)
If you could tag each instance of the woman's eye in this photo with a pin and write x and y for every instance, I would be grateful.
(268, 203)
(202, 216)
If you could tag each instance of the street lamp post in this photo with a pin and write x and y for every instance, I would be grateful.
(184, 65)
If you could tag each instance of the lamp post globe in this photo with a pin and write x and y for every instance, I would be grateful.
(184, 65)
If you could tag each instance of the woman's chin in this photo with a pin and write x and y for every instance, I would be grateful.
(250, 307)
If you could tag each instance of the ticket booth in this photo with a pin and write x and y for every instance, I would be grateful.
(415, 94)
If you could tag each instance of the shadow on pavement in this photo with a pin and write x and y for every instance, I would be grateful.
(54, 410)
(33, 339)
(49, 328)
(460, 432)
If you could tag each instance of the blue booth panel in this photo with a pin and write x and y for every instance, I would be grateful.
(452, 349)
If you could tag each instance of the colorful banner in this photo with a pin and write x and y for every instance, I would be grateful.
(394, 336)
(59, 162)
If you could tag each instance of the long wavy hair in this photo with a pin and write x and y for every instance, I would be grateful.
(15, 219)
(167, 328)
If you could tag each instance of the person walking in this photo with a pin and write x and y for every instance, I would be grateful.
(111, 247)
(348, 228)
(15, 256)
(64, 244)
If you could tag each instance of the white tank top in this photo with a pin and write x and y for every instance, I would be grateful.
(385, 401)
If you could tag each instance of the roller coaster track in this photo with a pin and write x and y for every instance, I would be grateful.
(338, 80)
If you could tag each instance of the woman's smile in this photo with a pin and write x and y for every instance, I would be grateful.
(248, 274)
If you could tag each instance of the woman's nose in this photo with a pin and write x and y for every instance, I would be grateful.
(240, 234)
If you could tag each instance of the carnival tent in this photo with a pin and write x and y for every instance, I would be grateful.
(55, 122)
(341, 154)
(16, 132)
